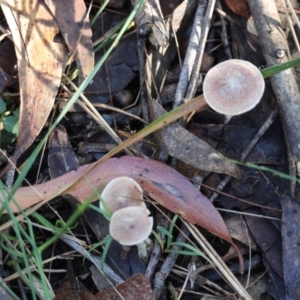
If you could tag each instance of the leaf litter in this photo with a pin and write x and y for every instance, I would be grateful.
(41, 63)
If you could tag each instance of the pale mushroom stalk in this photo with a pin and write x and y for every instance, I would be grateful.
(227, 119)
(142, 249)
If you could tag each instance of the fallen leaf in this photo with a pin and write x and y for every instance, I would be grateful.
(120, 65)
(61, 156)
(41, 62)
(268, 237)
(239, 232)
(150, 23)
(181, 144)
(159, 181)
(66, 291)
(137, 287)
(70, 17)
(239, 7)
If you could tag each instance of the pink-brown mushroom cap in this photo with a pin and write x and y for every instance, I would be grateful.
(233, 87)
(131, 225)
(122, 192)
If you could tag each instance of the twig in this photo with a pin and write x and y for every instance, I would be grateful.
(159, 279)
(156, 251)
(214, 257)
(290, 25)
(150, 15)
(275, 48)
(191, 55)
(95, 115)
(95, 260)
(224, 36)
(196, 69)
(288, 8)
(266, 125)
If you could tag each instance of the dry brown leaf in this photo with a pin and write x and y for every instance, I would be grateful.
(150, 22)
(70, 18)
(41, 62)
(162, 183)
(239, 7)
(181, 144)
(238, 231)
(137, 287)
(66, 291)
(61, 156)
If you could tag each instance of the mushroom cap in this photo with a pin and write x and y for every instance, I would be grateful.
(122, 192)
(131, 225)
(233, 87)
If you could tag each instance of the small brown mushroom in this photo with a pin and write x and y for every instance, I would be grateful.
(233, 87)
(122, 192)
(131, 225)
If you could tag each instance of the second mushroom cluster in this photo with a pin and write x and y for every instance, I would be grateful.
(130, 222)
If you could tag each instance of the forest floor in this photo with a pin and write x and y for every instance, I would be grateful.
(92, 92)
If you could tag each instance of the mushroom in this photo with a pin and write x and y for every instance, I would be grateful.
(122, 192)
(131, 225)
(233, 87)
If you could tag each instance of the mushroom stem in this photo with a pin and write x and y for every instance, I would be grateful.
(227, 119)
(142, 249)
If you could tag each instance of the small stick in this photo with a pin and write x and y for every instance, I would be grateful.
(160, 276)
(224, 35)
(266, 125)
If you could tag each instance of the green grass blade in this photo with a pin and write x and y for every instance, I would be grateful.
(159, 239)
(267, 72)
(263, 168)
(182, 252)
(99, 12)
(8, 290)
(171, 228)
(43, 221)
(108, 241)
(192, 248)
(165, 231)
